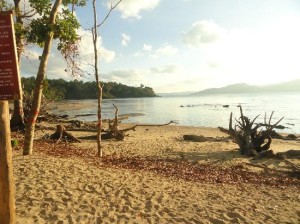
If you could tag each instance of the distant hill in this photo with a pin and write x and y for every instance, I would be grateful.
(291, 86)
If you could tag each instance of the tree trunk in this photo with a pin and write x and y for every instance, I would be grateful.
(17, 121)
(37, 96)
(99, 87)
(7, 191)
(100, 150)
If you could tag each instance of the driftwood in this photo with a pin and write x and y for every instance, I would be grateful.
(249, 139)
(194, 138)
(62, 135)
(290, 154)
(201, 138)
(114, 131)
(148, 125)
(277, 126)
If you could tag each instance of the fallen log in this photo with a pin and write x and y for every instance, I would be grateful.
(104, 136)
(194, 138)
(84, 115)
(147, 125)
(290, 153)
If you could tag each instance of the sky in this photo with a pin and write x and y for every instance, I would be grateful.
(186, 45)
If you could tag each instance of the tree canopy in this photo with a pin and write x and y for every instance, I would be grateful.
(60, 89)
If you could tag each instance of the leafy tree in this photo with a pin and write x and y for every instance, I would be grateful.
(36, 31)
(51, 24)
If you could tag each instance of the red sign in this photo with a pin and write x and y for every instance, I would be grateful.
(9, 70)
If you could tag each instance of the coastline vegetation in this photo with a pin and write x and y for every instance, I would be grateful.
(60, 89)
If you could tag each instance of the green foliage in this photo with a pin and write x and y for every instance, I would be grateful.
(42, 7)
(65, 28)
(59, 89)
(38, 31)
(79, 3)
(28, 84)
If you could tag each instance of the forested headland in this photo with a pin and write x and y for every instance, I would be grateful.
(60, 89)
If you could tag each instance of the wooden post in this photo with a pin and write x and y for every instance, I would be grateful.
(7, 189)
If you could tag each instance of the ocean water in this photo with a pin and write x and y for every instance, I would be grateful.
(207, 110)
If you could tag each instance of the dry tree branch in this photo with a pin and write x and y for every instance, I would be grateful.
(112, 7)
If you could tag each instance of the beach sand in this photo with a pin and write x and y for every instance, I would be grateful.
(57, 187)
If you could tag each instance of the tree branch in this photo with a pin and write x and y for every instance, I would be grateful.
(112, 7)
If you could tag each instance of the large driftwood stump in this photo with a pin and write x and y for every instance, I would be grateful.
(248, 138)
(62, 135)
(114, 131)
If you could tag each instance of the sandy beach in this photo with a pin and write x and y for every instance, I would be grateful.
(66, 183)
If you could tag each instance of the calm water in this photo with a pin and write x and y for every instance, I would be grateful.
(200, 111)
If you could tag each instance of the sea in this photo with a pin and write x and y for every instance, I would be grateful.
(199, 111)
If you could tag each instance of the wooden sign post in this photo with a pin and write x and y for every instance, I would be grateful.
(9, 90)
(7, 190)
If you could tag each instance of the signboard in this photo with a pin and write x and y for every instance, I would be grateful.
(9, 71)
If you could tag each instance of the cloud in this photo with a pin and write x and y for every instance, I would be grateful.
(30, 62)
(254, 55)
(153, 77)
(133, 8)
(57, 65)
(86, 48)
(125, 39)
(203, 32)
(147, 47)
(167, 50)
(165, 69)
(125, 76)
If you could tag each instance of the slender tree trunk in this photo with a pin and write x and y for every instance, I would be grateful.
(95, 39)
(17, 121)
(100, 150)
(37, 96)
(7, 191)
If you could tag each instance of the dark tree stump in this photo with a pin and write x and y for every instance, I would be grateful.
(62, 134)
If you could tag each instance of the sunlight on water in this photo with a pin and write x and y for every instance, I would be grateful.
(200, 111)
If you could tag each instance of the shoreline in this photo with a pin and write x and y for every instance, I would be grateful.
(59, 185)
(86, 111)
